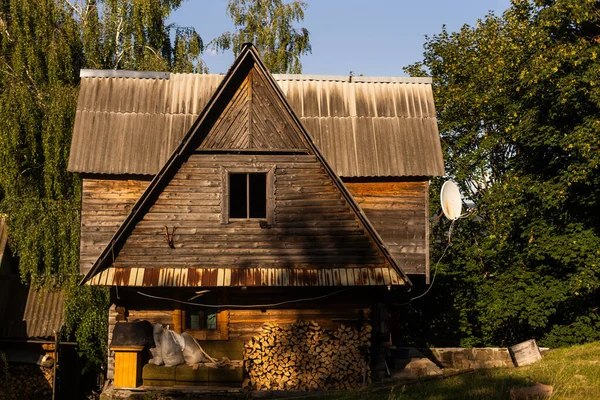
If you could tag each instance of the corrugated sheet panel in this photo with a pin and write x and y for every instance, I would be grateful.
(24, 312)
(230, 277)
(44, 313)
(367, 127)
(27, 313)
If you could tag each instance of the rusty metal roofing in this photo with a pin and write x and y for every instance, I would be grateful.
(364, 126)
(223, 277)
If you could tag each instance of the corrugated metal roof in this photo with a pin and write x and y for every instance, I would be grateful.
(372, 126)
(26, 313)
(44, 312)
(227, 277)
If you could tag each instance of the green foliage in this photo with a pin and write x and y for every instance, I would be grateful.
(131, 34)
(86, 320)
(38, 74)
(43, 45)
(269, 25)
(519, 111)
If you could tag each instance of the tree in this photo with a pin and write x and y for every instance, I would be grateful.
(43, 45)
(269, 25)
(519, 111)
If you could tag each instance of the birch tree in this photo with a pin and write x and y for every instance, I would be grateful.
(270, 26)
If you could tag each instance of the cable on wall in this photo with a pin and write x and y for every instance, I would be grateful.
(242, 305)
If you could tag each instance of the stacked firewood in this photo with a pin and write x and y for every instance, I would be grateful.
(303, 356)
(25, 381)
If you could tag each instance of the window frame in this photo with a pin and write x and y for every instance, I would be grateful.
(220, 333)
(270, 206)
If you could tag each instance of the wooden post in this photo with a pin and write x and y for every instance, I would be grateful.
(54, 365)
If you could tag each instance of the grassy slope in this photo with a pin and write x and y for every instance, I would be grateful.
(573, 372)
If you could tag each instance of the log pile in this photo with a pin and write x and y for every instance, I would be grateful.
(303, 356)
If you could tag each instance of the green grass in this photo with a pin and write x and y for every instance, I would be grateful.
(573, 372)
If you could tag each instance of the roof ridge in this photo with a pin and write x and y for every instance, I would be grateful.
(136, 112)
(351, 79)
(122, 73)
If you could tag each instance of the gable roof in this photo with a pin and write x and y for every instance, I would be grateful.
(364, 126)
(198, 136)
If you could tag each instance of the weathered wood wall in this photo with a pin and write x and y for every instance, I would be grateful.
(399, 211)
(254, 118)
(313, 225)
(105, 204)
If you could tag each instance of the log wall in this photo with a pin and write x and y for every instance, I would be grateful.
(350, 307)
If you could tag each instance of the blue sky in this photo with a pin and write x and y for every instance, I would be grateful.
(369, 37)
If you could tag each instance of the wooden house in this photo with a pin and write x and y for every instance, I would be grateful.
(285, 197)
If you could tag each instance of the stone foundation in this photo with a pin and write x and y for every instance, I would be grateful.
(467, 358)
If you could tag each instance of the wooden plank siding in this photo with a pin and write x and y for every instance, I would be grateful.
(104, 206)
(399, 212)
(253, 119)
(313, 227)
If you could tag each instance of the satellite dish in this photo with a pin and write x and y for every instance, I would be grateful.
(451, 200)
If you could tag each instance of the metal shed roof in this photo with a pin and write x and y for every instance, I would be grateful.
(130, 123)
(29, 313)
(26, 313)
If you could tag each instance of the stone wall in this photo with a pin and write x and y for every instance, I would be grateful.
(466, 358)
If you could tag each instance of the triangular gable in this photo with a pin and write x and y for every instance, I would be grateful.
(253, 119)
(247, 112)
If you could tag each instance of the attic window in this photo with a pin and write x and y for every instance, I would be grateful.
(248, 195)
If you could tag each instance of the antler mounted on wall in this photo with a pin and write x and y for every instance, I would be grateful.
(170, 238)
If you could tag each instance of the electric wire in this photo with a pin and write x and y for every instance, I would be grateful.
(243, 305)
(450, 230)
(437, 264)
(432, 280)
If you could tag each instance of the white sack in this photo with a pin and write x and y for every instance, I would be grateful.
(170, 349)
(156, 351)
(178, 339)
(192, 353)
